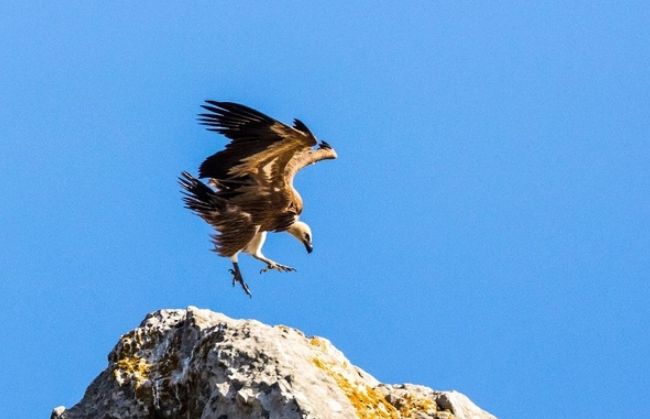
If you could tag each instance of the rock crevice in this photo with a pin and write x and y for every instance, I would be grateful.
(200, 364)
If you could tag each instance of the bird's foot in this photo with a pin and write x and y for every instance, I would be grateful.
(277, 267)
(237, 278)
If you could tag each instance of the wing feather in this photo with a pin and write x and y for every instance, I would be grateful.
(256, 169)
(234, 227)
(256, 139)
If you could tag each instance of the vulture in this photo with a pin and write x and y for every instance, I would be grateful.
(249, 189)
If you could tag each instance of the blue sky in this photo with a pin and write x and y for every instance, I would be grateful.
(486, 227)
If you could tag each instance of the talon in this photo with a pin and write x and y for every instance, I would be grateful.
(246, 289)
(236, 277)
(277, 267)
(268, 268)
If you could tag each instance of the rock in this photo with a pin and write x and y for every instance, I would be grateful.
(200, 364)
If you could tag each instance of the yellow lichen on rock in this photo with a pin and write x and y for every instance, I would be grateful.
(410, 405)
(133, 368)
(367, 402)
(316, 341)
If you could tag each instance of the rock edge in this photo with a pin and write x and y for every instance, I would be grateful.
(196, 363)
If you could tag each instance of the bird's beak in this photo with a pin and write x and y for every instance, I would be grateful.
(309, 247)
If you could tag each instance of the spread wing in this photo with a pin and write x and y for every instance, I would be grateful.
(252, 170)
(306, 157)
(257, 141)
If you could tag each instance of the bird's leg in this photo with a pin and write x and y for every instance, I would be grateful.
(277, 267)
(271, 264)
(236, 277)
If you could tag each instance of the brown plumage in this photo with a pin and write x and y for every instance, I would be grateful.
(253, 180)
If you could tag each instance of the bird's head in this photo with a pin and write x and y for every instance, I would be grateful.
(302, 233)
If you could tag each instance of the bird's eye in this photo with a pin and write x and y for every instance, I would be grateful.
(307, 237)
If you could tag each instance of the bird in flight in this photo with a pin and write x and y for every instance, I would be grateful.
(250, 183)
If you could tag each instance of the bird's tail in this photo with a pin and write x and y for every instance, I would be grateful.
(199, 197)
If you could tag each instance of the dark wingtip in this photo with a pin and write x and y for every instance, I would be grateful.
(186, 179)
(300, 126)
(212, 102)
(325, 145)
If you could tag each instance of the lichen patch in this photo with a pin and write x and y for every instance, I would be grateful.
(368, 403)
(410, 406)
(133, 369)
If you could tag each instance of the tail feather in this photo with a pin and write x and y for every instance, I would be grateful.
(199, 197)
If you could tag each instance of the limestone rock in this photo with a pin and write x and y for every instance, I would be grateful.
(200, 364)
